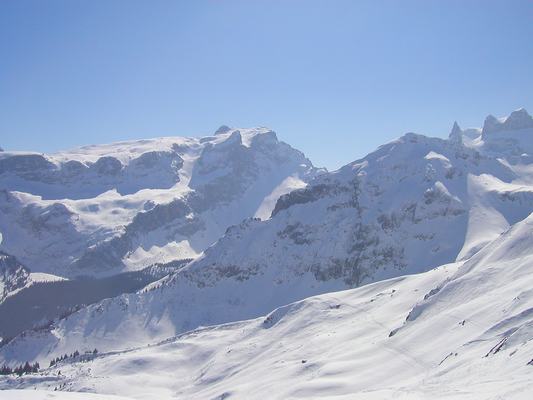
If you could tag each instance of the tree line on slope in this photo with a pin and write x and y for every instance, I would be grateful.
(72, 355)
(25, 368)
(28, 368)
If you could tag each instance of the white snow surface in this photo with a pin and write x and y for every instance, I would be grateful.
(48, 395)
(460, 331)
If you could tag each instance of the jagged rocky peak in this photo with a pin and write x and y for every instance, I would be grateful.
(519, 119)
(265, 135)
(232, 139)
(222, 129)
(249, 136)
(260, 137)
(456, 135)
(1, 149)
(491, 124)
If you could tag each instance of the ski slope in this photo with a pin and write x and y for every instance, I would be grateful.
(462, 330)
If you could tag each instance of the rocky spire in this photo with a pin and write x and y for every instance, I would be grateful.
(456, 135)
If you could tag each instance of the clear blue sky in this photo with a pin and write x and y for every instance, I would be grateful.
(333, 78)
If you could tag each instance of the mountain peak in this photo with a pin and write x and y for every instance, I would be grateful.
(222, 129)
(519, 119)
(491, 124)
(456, 135)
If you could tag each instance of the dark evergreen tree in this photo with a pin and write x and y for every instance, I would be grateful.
(5, 370)
(35, 367)
(27, 368)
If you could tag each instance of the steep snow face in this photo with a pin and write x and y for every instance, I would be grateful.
(462, 330)
(413, 204)
(104, 209)
(13, 276)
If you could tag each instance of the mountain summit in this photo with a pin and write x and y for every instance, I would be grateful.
(519, 119)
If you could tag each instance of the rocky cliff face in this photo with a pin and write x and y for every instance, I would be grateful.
(13, 275)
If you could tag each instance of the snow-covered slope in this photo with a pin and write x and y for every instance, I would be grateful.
(463, 330)
(410, 206)
(104, 209)
(48, 395)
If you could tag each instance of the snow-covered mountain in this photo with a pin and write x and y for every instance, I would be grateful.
(101, 210)
(462, 330)
(411, 205)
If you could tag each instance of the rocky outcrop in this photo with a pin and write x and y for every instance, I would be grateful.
(13, 275)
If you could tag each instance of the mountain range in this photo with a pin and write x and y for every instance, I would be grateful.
(241, 270)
